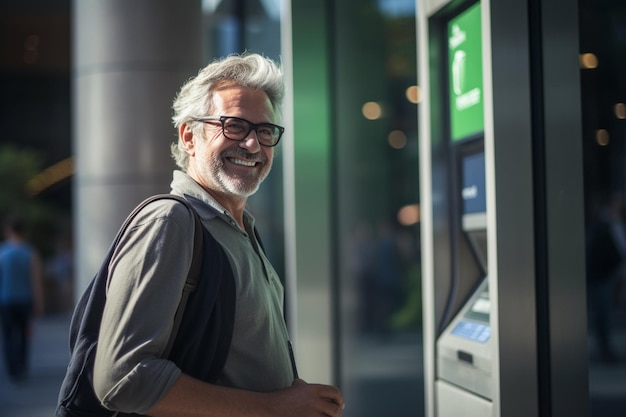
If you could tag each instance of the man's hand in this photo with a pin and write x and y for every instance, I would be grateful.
(307, 400)
(190, 397)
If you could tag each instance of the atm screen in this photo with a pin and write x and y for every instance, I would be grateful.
(473, 192)
(465, 73)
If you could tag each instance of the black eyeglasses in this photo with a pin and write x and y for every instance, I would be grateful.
(236, 128)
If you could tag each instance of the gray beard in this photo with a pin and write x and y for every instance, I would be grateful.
(235, 185)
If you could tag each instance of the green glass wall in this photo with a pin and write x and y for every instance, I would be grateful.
(356, 202)
(375, 207)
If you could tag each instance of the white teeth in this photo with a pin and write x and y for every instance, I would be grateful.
(242, 162)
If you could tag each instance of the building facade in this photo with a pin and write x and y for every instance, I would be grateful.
(342, 213)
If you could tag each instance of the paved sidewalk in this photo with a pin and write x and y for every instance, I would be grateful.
(36, 396)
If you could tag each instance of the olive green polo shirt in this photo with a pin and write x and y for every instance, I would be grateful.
(146, 277)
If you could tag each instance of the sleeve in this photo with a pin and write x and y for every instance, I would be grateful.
(146, 277)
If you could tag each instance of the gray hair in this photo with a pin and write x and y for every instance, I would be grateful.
(195, 97)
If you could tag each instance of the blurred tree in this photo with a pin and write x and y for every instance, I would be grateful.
(17, 167)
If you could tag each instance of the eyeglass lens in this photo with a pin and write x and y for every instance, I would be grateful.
(238, 129)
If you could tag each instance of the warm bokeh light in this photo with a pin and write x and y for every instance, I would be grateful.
(372, 110)
(413, 94)
(50, 176)
(397, 139)
(588, 61)
(409, 215)
(602, 137)
(620, 111)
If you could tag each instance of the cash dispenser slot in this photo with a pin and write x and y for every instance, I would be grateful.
(465, 357)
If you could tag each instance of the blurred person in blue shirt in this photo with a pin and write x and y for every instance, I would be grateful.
(21, 295)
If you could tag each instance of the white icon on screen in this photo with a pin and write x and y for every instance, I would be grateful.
(458, 72)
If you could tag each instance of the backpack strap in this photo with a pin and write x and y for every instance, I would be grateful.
(196, 262)
(192, 277)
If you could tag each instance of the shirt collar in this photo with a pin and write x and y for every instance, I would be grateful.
(206, 206)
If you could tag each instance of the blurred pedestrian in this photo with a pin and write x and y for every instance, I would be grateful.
(21, 295)
(606, 264)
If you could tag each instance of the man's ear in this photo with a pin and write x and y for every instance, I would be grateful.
(185, 135)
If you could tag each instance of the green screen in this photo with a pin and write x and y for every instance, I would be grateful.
(465, 72)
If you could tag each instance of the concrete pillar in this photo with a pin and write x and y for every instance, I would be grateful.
(130, 58)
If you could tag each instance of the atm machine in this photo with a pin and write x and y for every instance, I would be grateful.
(461, 357)
(501, 209)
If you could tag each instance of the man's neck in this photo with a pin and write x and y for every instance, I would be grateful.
(235, 205)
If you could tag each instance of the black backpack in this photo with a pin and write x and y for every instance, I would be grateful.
(77, 397)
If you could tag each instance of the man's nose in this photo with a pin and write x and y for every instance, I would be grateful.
(251, 142)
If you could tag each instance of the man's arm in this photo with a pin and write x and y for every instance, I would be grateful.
(190, 397)
(147, 275)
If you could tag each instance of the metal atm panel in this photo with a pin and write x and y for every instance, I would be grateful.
(464, 349)
(453, 401)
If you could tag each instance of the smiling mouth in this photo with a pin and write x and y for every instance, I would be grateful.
(242, 162)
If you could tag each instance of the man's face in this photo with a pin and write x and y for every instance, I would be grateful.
(228, 167)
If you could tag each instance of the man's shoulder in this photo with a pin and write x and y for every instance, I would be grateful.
(165, 207)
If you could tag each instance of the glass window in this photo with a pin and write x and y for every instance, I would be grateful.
(376, 207)
(603, 63)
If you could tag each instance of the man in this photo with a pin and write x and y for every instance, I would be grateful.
(226, 120)
(21, 295)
